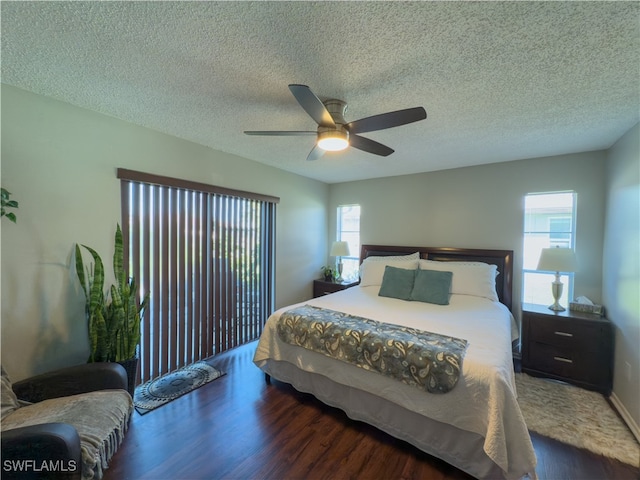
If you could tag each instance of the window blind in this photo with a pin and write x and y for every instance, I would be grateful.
(205, 256)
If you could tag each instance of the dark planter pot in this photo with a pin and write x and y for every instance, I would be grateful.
(131, 367)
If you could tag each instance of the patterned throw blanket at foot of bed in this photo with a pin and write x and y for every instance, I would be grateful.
(425, 360)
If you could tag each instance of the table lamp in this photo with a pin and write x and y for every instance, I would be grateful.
(557, 260)
(339, 249)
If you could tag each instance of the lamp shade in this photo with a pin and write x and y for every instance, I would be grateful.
(557, 260)
(339, 249)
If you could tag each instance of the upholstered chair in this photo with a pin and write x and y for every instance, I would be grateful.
(65, 424)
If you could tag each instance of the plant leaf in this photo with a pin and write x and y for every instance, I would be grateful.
(118, 259)
(80, 274)
(98, 338)
(96, 296)
(117, 322)
(5, 203)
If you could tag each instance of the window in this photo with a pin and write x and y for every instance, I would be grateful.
(205, 256)
(348, 230)
(549, 221)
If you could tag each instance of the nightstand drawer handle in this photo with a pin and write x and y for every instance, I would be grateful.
(565, 360)
(564, 334)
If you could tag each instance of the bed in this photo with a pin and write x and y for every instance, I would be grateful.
(475, 425)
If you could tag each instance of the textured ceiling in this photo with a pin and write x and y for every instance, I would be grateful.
(499, 80)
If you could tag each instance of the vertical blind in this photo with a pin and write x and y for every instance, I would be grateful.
(205, 257)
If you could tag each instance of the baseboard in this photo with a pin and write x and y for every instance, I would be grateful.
(624, 413)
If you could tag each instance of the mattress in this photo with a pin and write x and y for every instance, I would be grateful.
(477, 427)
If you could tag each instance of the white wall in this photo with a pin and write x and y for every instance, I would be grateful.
(621, 288)
(482, 207)
(60, 162)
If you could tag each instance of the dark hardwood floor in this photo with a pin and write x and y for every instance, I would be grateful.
(238, 427)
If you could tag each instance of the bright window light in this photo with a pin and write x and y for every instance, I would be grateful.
(549, 221)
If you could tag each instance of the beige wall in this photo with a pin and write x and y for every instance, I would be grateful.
(59, 162)
(482, 207)
(621, 284)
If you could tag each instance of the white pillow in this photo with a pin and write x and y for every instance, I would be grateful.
(469, 278)
(385, 258)
(372, 268)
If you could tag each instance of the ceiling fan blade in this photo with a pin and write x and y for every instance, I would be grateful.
(387, 120)
(278, 133)
(315, 153)
(370, 146)
(312, 105)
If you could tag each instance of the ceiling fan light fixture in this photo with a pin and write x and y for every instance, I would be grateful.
(334, 133)
(333, 141)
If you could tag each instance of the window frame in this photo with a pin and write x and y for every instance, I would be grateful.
(567, 278)
(353, 259)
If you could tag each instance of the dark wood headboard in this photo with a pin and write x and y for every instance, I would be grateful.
(502, 258)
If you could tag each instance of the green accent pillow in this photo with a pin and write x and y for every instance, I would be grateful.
(432, 286)
(397, 283)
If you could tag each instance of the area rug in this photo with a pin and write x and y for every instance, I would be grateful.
(162, 390)
(575, 416)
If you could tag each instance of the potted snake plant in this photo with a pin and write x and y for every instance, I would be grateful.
(113, 317)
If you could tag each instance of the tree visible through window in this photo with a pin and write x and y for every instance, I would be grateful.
(348, 230)
(549, 221)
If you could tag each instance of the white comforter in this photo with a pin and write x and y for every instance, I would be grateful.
(483, 401)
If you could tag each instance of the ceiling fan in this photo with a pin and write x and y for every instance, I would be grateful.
(334, 133)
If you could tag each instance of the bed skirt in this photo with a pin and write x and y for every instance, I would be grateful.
(460, 448)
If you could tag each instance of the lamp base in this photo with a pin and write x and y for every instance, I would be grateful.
(339, 279)
(556, 307)
(556, 290)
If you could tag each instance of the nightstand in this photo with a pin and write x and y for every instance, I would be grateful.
(321, 287)
(574, 347)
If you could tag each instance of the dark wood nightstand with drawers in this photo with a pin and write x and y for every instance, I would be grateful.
(574, 347)
(321, 287)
